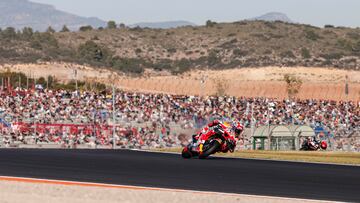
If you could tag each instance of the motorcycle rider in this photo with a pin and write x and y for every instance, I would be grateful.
(311, 141)
(230, 141)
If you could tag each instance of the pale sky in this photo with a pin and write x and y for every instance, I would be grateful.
(315, 12)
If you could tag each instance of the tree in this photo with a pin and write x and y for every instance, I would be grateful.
(44, 40)
(122, 25)
(92, 52)
(50, 30)
(86, 28)
(221, 87)
(9, 33)
(27, 33)
(181, 66)
(111, 24)
(210, 23)
(65, 29)
(329, 26)
(51, 81)
(293, 85)
(35, 44)
(41, 81)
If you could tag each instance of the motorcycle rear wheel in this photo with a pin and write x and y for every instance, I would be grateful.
(186, 153)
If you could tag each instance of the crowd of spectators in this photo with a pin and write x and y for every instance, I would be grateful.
(24, 114)
(71, 136)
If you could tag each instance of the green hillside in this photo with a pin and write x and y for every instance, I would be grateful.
(214, 46)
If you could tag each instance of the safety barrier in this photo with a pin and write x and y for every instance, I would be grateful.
(281, 137)
(273, 137)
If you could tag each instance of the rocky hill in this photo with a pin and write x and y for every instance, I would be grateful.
(24, 13)
(214, 46)
(274, 16)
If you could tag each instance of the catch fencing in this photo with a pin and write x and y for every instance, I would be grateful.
(156, 135)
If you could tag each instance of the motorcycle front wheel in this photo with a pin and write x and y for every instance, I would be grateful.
(215, 145)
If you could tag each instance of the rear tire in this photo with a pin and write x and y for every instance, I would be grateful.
(212, 150)
(186, 153)
(304, 147)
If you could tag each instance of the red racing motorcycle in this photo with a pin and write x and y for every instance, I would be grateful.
(209, 143)
(313, 145)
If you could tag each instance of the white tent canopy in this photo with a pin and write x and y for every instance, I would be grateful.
(304, 131)
(284, 131)
(281, 131)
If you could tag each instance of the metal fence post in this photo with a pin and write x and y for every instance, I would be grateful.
(113, 104)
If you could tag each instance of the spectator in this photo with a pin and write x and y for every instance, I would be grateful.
(145, 119)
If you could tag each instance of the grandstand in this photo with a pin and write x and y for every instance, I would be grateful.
(59, 118)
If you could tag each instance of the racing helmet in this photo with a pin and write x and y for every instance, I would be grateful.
(323, 145)
(237, 128)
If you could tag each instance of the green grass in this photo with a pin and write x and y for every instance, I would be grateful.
(352, 158)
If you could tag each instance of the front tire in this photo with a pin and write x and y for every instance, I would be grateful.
(212, 150)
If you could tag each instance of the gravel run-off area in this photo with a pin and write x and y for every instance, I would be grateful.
(19, 192)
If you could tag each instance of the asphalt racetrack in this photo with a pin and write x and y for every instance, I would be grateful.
(243, 176)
